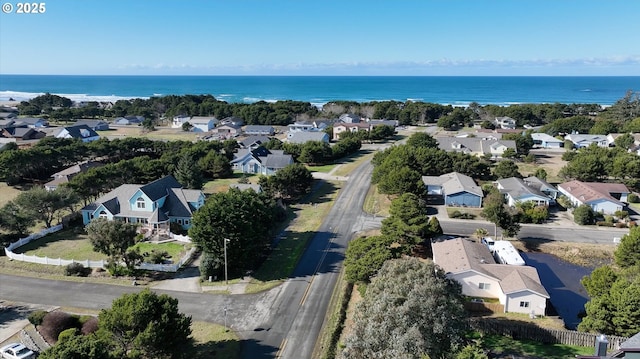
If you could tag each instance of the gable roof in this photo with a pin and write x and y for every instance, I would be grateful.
(588, 192)
(541, 136)
(258, 128)
(306, 136)
(454, 182)
(80, 131)
(91, 123)
(252, 140)
(472, 144)
(176, 204)
(461, 255)
(517, 188)
(278, 161)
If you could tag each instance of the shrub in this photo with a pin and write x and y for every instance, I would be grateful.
(76, 270)
(67, 333)
(456, 214)
(633, 198)
(604, 224)
(55, 323)
(583, 215)
(632, 224)
(36, 317)
(467, 216)
(621, 225)
(89, 326)
(158, 257)
(177, 229)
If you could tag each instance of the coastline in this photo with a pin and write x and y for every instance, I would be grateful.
(317, 90)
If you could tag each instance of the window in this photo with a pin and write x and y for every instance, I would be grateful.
(186, 222)
(140, 202)
(103, 214)
(484, 286)
(524, 304)
(179, 221)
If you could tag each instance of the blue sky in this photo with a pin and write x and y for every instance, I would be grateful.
(324, 37)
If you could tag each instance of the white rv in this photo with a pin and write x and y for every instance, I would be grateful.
(504, 252)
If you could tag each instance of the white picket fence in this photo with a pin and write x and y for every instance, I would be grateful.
(88, 263)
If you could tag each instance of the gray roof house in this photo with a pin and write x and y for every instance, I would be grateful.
(456, 189)
(31, 122)
(21, 133)
(475, 146)
(96, 125)
(253, 141)
(518, 288)
(259, 130)
(68, 173)
(307, 136)
(544, 140)
(601, 197)
(154, 205)
(529, 189)
(80, 132)
(580, 141)
(129, 120)
(260, 160)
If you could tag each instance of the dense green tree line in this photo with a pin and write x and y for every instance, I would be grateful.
(399, 169)
(595, 163)
(625, 113)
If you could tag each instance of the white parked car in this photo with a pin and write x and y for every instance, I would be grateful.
(17, 351)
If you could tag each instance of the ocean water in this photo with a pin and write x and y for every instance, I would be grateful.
(322, 89)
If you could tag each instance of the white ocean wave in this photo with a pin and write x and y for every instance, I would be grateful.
(25, 96)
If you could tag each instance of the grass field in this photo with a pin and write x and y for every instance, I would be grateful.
(65, 244)
(7, 193)
(161, 133)
(222, 184)
(214, 341)
(506, 346)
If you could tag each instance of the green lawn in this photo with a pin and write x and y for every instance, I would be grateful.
(214, 341)
(222, 184)
(7, 193)
(65, 244)
(504, 345)
(323, 168)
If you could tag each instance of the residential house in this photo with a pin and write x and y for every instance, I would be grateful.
(506, 123)
(260, 160)
(605, 198)
(80, 132)
(129, 120)
(253, 141)
(31, 122)
(8, 115)
(259, 130)
(545, 141)
(227, 131)
(68, 173)
(580, 141)
(307, 136)
(456, 189)
(350, 127)
(518, 288)
(179, 120)
(21, 133)
(154, 205)
(96, 125)
(7, 123)
(349, 118)
(202, 124)
(301, 126)
(476, 146)
(527, 190)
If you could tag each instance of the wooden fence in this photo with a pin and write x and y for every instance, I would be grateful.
(474, 307)
(543, 335)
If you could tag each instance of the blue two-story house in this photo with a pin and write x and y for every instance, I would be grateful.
(154, 205)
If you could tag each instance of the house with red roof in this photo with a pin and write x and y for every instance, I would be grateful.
(606, 198)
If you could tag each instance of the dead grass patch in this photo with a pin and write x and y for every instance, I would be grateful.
(582, 254)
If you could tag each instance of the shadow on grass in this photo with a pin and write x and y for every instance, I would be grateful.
(532, 244)
(217, 349)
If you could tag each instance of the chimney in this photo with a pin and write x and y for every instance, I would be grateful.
(601, 346)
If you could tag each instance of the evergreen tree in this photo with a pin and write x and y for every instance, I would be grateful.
(188, 172)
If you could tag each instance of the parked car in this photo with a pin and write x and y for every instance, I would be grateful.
(17, 351)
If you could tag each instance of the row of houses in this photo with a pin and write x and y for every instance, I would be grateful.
(461, 190)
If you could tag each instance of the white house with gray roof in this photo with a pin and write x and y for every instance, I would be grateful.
(544, 140)
(476, 146)
(517, 288)
(456, 189)
(260, 160)
(531, 189)
(154, 206)
(79, 132)
(580, 141)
